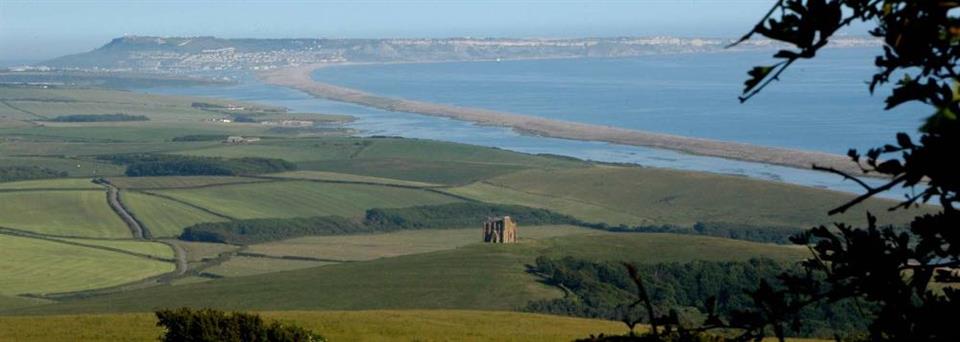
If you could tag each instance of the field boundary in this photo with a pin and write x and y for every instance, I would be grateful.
(52, 238)
(171, 198)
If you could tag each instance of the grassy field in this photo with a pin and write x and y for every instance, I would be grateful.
(68, 213)
(375, 246)
(466, 277)
(174, 182)
(156, 249)
(441, 172)
(39, 266)
(72, 166)
(245, 266)
(300, 198)
(62, 183)
(636, 195)
(412, 325)
(346, 177)
(197, 251)
(163, 217)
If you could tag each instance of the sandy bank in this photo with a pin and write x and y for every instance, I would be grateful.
(300, 78)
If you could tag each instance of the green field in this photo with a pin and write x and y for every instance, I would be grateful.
(464, 277)
(67, 213)
(346, 177)
(73, 167)
(62, 183)
(197, 251)
(39, 266)
(150, 248)
(301, 198)
(176, 181)
(375, 246)
(163, 217)
(649, 196)
(244, 266)
(412, 325)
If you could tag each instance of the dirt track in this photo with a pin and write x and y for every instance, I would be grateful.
(300, 78)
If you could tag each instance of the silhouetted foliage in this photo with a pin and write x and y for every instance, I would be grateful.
(889, 271)
(15, 173)
(208, 325)
(140, 165)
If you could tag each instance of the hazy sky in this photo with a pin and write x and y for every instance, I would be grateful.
(40, 29)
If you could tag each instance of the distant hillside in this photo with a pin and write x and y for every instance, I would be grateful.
(185, 54)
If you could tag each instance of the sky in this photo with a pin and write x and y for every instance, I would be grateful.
(41, 29)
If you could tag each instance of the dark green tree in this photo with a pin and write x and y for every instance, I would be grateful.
(893, 271)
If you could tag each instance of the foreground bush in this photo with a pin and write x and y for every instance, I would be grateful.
(189, 325)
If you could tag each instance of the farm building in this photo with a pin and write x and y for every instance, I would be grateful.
(500, 230)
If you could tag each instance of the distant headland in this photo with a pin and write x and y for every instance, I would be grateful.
(198, 54)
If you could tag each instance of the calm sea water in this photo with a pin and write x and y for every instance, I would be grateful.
(821, 105)
(379, 122)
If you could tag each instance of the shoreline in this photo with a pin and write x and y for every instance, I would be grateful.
(300, 78)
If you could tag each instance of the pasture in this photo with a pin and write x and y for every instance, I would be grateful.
(240, 266)
(174, 182)
(38, 266)
(465, 277)
(150, 248)
(74, 167)
(79, 213)
(346, 177)
(660, 196)
(375, 246)
(163, 217)
(60, 183)
(302, 198)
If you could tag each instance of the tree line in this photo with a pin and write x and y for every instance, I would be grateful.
(140, 165)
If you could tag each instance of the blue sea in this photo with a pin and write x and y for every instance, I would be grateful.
(821, 105)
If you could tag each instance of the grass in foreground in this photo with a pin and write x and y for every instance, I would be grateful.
(66, 213)
(413, 325)
(39, 266)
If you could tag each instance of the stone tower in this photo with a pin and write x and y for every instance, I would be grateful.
(500, 230)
